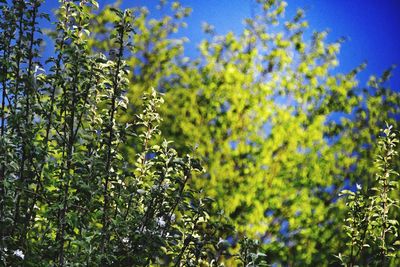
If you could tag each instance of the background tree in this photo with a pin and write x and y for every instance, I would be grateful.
(280, 131)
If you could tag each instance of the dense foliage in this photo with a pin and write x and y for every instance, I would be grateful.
(279, 129)
(87, 177)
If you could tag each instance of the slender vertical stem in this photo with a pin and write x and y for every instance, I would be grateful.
(384, 196)
(28, 92)
(70, 146)
(19, 52)
(111, 135)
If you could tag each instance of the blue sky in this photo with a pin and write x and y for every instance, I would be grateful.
(372, 27)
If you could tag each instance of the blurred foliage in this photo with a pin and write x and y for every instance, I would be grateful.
(279, 129)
